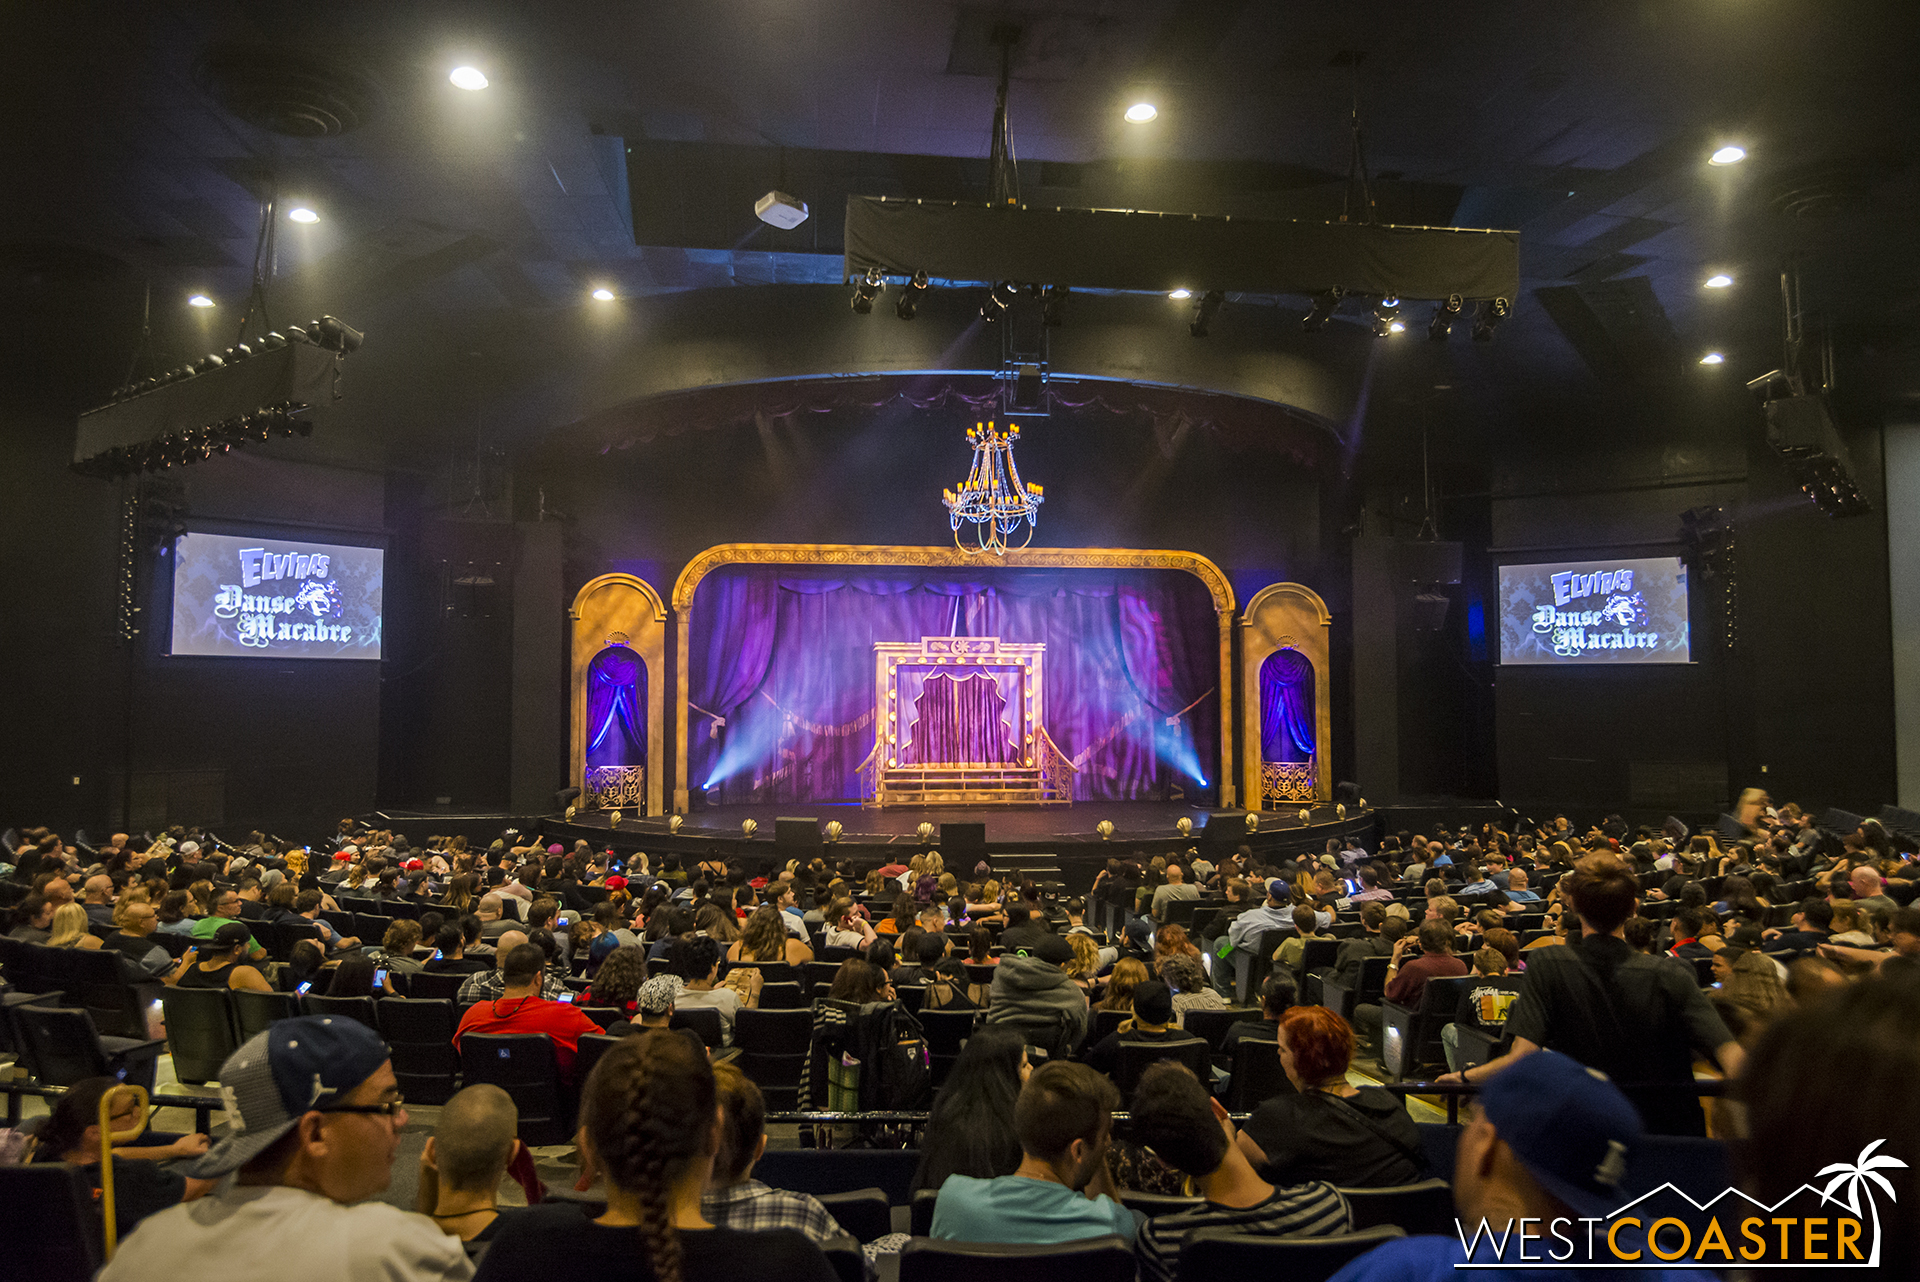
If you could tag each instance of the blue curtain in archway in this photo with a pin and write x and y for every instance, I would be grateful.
(1287, 713)
(616, 709)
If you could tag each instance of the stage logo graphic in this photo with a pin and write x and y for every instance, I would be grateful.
(1613, 612)
(1835, 1227)
(257, 617)
(1620, 624)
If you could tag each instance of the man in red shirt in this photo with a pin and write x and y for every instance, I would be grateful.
(521, 1009)
(1407, 981)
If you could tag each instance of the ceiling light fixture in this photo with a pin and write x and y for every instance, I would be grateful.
(604, 294)
(1386, 318)
(1325, 304)
(1728, 155)
(1203, 314)
(1444, 314)
(1720, 281)
(999, 298)
(1180, 295)
(199, 300)
(866, 289)
(1141, 112)
(909, 301)
(1713, 358)
(301, 214)
(468, 78)
(1491, 313)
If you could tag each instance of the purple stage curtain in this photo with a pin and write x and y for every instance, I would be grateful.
(800, 730)
(959, 721)
(1287, 711)
(617, 709)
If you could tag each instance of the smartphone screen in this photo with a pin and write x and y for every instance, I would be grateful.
(564, 997)
(301, 991)
(379, 976)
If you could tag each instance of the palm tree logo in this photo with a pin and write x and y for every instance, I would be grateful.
(1864, 1168)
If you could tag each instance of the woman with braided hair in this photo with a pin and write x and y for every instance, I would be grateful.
(649, 1127)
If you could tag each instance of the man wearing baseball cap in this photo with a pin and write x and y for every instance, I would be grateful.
(314, 1118)
(1550, 1139)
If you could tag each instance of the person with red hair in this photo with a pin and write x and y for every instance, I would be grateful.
(1352, 1137)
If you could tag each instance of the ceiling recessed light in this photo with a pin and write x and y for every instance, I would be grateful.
(301, 214)
(1179, 294)
(1720, 281)
(1712, 358)
(1141, 112)
(1729, 155)
(603, 294)
(468, 78)
(1397, 327)
(199, 300)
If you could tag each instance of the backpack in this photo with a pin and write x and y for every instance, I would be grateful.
(891, 1047)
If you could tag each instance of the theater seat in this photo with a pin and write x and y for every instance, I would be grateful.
(522, 1065)
(1222, 1253)
(61, 1047)
(1099, 1259)
(63, 1244)
(1426, 1207)
(201, 1032)
(864, 1213)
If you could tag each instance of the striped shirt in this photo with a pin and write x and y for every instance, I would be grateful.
(1305, 1210)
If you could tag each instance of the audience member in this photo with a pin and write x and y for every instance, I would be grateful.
(141, 1184)
(1152, 1021)
(225, 964)
(1485, 1003)
(1033, 992)
(733, 1198)
(1277, 995)
(464, 1160)
(970, 1130)
(521, 1009)
(696, 960)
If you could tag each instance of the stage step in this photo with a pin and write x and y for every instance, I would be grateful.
(965, 785)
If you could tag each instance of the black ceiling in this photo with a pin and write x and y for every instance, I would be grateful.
(456, 227)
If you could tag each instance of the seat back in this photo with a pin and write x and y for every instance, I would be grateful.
(255, 1012)
(1104, 1024)
(1318, 954)
(920, 1212)
(58, 1043)
(772, 972)
(840, 1170)
(1256, 1074)
(947, 1032)
(360, 1008)
(1409, 1039)
(1212, 1025)
(1100, 1259)
(201, 1031)
(848, 1260)
(279, 937)
(419, 1031)
(773, 1051)
(1135, 1056)
(94, 979)
(30, 967)
(781, 996)
(64, 1242)
(703, 1020)
(587, 1053)
(1211, 1253)
(864, 1213)
(522, 1065)
(1426, 1207)
(444, 987)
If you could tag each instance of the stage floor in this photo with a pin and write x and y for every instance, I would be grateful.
(901, 824)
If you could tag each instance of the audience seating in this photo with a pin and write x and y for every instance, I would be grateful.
(605, 1016)
(58, 1230)
(1136, 1056)
(1256, 1074)
(1100, 1259)
(1104, 1024)
(840, 1170)
(705, 1021)
(1317, 954)
(279, 937)
(848, 1260)
(912, 996)
(444, 987)
(254, 1012)
(522, 1065)
(419, 1031)
(819, 976)
(1370, 987)
(1410, 1037)
(360, 1008)
(947, 1032)
(588, 1051)
(201, 1031)
(920, 1212)
(1152, 1204)
(1426, 1207)
(1212, 1025)
(94, 978)
(773, 1051)
(865, 1213)
(782, 996)
(1478, 1046)
(60, 1046)
(1221, 1253)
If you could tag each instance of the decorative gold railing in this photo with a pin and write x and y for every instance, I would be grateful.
(1057, 771)
(870, 771)
(616, 787)
(1287, 781)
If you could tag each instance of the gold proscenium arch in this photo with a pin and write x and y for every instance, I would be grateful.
(1285, 616)
(824, 554)
(621, 610)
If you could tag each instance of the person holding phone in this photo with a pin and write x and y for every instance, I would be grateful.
(224, 964)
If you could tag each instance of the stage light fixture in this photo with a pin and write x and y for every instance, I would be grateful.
(1488, 319)
(1180, 295)
(1325, 304)
(468, 78)
(1728, 155)
(199, 300)
(909, 301)
(1444, 314)
(603, 294)
(301, 214)
(1719, 281)
(1386, 317)
(1053, 301)
(1713, 358)
(999, 298)
(1141, 112)
(1203, 314)
(866, 289)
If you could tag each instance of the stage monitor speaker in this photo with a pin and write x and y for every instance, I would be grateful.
(793, 838)
(1429, 612)
(1225, 830)
(962, 846)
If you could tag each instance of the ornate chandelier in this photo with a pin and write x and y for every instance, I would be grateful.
(992, 497)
